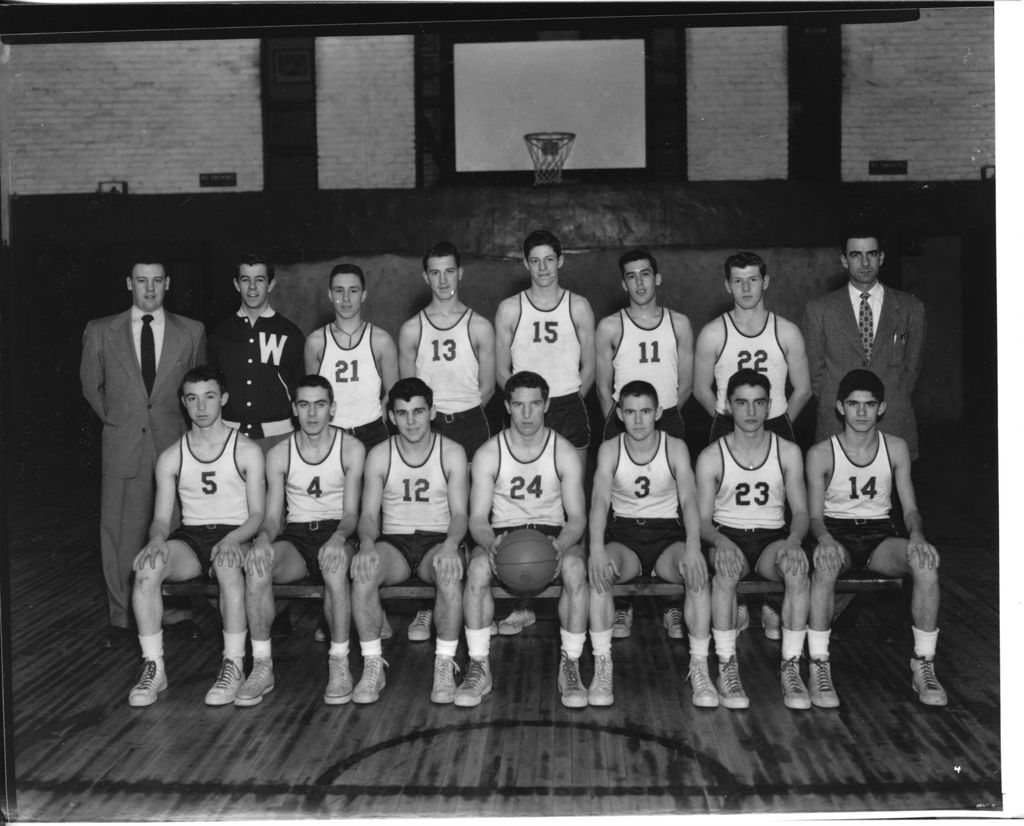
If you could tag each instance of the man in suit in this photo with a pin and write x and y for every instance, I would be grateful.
(865, 325)
(132, 367)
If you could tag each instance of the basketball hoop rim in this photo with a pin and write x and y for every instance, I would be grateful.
(549, 136)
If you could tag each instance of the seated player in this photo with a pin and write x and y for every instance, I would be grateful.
(528, 476)
(850, 477)
(318, 471)
(744, 481)
(217, 474)
(644, 476)
(418, 482)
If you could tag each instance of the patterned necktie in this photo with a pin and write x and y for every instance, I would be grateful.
(148, 353)
(866, 323)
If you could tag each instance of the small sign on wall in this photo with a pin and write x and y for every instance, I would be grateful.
(887, 167)
(218, 179)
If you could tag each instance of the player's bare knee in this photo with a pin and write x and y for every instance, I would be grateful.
(574, 573)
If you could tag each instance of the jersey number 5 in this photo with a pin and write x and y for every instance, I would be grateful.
(519, 483)
(209, 482)
(342, 367)
(743, 493)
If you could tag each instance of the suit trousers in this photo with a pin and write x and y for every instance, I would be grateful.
(126, 510)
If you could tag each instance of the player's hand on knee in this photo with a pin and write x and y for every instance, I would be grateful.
(829, 556)
(365, 563)
(227, 554)
(557, 545)
(791, 560)
(602, 570)
(154, 550)
(492, 554)
(260, 560)
(333, 555)
(447, 567)
(728, 557)
(694, 571)
(923, 551)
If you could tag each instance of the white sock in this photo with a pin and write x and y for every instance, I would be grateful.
(447, 648)
(601, 642)
(338, 649)
(371, 648)
(572, 643)
(234, 646)
(725, 643)
(793, 643)
(260, 649)
(924, 642)
(817, 643)
(153, 647)
(699, 646)
(479, 642)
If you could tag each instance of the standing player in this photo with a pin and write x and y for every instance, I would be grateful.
(850, 478)
(866, 324)
(131, 372)
(526, 476)
(418, 482)
(358, 358)
(751, 336)
(452, 349)
(644, 477)
(217, 474)
(651, 343)
(744, 482)
(260, 352)
(549, 330)
(318, 473)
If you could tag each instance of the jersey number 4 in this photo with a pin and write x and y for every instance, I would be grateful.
(759, 357)
(314, 488)
(346, 371)
(869, 490)
(743, 493)
(415, 490)
(444, 349)
(519, 484)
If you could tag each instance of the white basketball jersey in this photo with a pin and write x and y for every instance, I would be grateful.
(357, 383)
(212, 493)
(859, 492)
(644, 491)
(545, 342)
(415, 496)
(315, 491)
(762, 353)
(527, 492)
(648, 355)
(446, 361)
(751, 498)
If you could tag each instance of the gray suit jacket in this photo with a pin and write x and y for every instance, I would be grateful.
(834, 348)
(112, 384)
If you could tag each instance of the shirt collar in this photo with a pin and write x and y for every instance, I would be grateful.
(137, 314)
(267, 313)
(875, 293)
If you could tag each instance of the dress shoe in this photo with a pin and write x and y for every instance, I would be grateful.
(184, 630)
(114, 636)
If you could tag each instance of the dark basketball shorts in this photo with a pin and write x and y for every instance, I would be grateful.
(568, 415)
(467, 427)
(201, 539)
(860, 537)
(308, 538)
(370, 434)
(647, 538)
(780, 425)
(548, 530)
(671, 422)
(414, 546)
(751, 542)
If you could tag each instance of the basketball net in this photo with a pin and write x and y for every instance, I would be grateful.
(548, 151)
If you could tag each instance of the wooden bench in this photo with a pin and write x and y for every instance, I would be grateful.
(846, 589)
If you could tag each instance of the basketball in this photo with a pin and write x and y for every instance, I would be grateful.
(526, 561)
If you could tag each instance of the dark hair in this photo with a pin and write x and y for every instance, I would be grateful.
(636, 255)
(255, 259)
(541, 237)
(742, 260)
(314, 380)
(860, 380)
(354, 269)
(638, 388)
(204, 372)
(442, 249)
(524, 378)
(747, 378)
(861, 229)
(407, 389)
(146, 259)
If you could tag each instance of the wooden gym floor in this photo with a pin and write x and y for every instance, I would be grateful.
(82, 754)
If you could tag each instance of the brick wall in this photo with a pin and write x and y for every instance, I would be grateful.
(365, 112)
(923, 92)
(154, 114)
(737, 104)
